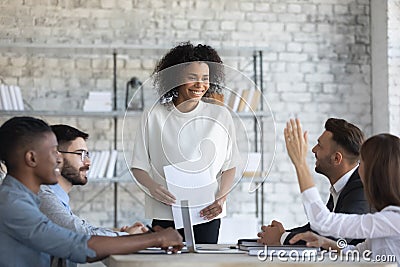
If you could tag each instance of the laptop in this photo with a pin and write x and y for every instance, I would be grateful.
(206, 248)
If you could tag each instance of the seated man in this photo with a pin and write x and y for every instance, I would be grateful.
(337, 155)
(54, 199)
(28, 148)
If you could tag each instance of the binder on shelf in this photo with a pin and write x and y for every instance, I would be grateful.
(248, 100)
(103, 164)
(243, 100)
(13, 97)
(255, 100)
(111, 164)
(234, 99)
(5, 97)
(253, 165)
(104, 157)
(20, 101)
(10, 98)
(95, 164)
(98, 101)
(1, 98)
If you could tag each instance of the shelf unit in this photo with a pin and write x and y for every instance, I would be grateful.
(115, 51)
(114, 115)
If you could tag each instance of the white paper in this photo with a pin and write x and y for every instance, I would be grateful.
(198, 188)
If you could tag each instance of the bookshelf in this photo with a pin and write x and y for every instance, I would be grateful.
(112, 53)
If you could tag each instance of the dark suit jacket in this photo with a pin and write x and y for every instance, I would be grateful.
(351, 200)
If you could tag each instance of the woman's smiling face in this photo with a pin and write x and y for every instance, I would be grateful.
(195, 82)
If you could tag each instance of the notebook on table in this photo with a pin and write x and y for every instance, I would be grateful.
(253, 247)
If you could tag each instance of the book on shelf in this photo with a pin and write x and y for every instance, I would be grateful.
(104, 157)
(253, 165)
(20, 101)
(111, 164)
(234, 99)
(244, 100)
(98, 101)
(5, 97)
(255, 100)
(94, 158)
(11, 98)
(103, 164)
(2, 98)
(248, 100)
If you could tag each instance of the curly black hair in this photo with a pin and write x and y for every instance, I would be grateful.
(166, 80)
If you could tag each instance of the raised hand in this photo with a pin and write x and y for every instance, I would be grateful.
(296, 141)
(297, 146)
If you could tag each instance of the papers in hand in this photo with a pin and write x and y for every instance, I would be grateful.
(198, 187)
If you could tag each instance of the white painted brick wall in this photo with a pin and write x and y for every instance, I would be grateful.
(394, 66)
(316, 65)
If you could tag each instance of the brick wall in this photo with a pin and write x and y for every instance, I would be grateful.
(316, 65)
(394, 65)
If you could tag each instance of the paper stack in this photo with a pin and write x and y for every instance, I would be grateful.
(98, 101)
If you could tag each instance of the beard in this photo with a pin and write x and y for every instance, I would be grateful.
(323, 166)
(318, 170)
(72, 174)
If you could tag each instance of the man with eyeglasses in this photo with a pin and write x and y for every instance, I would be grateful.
(29, 151)
(54, 199)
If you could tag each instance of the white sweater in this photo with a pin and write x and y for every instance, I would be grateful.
(167, 136)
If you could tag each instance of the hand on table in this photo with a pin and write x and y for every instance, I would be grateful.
(271, 234)
(136, 228)
(170, 239)
(314, 240)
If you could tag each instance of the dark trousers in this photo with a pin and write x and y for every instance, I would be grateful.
(205, 233)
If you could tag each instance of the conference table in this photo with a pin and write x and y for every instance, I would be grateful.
(230, 260)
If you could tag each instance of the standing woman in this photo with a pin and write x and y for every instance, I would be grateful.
(380, 173)
(183, 128)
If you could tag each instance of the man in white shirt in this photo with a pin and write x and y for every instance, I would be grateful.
(337, 155)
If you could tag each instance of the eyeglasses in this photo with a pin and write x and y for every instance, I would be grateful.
(83, 153)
